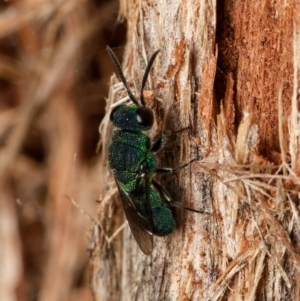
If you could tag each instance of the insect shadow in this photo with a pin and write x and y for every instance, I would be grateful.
(131, 157)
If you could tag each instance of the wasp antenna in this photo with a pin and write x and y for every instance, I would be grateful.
(148, 68)
(120, 72)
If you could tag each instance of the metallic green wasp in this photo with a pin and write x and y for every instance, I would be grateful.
(133, 163)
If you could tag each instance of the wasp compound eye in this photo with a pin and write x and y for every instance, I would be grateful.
(144, 116)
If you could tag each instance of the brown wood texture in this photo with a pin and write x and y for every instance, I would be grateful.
(245, 126)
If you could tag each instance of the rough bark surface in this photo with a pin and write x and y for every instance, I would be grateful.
(248, 141)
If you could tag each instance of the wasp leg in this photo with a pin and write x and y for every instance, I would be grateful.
(168, 199)
(160, 140)
(181, 130)
(176, 169)
(163, 192)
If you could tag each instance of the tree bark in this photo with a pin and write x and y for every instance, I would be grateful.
(244, 126)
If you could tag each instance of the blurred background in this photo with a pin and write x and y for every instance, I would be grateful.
(54, 76)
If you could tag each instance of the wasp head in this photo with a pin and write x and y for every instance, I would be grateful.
(132, 117)
(136, 117)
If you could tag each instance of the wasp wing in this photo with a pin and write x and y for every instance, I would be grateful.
(140, 226)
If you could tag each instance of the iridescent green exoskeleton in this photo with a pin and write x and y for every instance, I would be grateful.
(133, 163)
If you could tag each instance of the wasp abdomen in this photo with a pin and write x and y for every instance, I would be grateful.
(163, 222)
